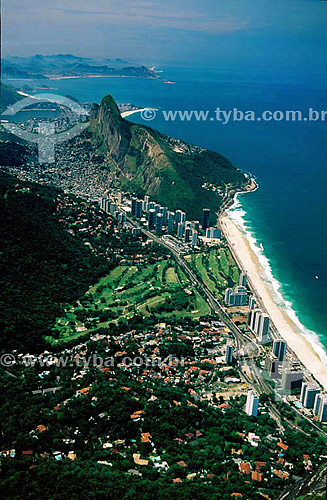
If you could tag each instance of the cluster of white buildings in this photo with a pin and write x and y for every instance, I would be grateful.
(312, 398)
(161, 220)
(110, 207)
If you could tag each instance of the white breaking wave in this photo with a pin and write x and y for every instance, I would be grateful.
(238, 216)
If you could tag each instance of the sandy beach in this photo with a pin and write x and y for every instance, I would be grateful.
(287, 328)
(124, 114)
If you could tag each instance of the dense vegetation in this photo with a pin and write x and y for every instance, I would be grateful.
(42, 265)
(8, 96)
(57, 250)
(12, 154)
(194, 438)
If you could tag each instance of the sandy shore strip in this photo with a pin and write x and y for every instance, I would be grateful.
(263, 289)
(124, 114)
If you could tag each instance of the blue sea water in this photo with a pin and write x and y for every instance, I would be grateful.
(287, 215)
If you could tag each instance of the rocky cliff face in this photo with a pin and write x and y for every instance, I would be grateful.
(170, 171)
(111, 128)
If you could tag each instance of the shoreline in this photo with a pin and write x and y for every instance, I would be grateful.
(125, 114)
(271, 300)
(59, 77)
(72, 77)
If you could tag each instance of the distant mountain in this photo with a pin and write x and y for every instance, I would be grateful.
(41, 67)
(121, 61)
(170, 171)
(15, 72)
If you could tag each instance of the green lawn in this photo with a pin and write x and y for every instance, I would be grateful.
(202, 268)
(171, 275)
(126, 290)
(217, 268)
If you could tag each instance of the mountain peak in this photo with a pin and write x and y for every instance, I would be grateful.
(152, 163)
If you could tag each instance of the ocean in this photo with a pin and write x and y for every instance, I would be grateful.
(286, 217)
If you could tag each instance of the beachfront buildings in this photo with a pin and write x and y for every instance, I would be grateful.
(252, 303)
(322, 415)
(213, 233)
(320, 407)
(253, 317)
(236, 297)
(272, 364)
(279, 349)
(259, 323)
(263, 328)
(309, 391)
(291, 379)
(243, 279)
(252, 404)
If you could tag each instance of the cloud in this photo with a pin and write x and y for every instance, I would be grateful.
(171, 15)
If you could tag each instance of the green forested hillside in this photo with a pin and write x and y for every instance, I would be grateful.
(41, 266)
(8, 96)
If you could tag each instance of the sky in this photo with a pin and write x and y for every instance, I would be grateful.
(205, 32)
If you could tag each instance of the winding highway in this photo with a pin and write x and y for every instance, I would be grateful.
(243, 342)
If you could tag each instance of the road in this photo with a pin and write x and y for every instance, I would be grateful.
(314, 483)
(243, 341)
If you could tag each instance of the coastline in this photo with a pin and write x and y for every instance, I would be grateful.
(72, 77)
(125, 114)
(49, 78)
(270, 299)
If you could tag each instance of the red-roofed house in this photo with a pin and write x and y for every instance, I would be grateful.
(245, 468)
(41, 428)
(281, 474)
(85, 390)
(282, 445)
(145, 437)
